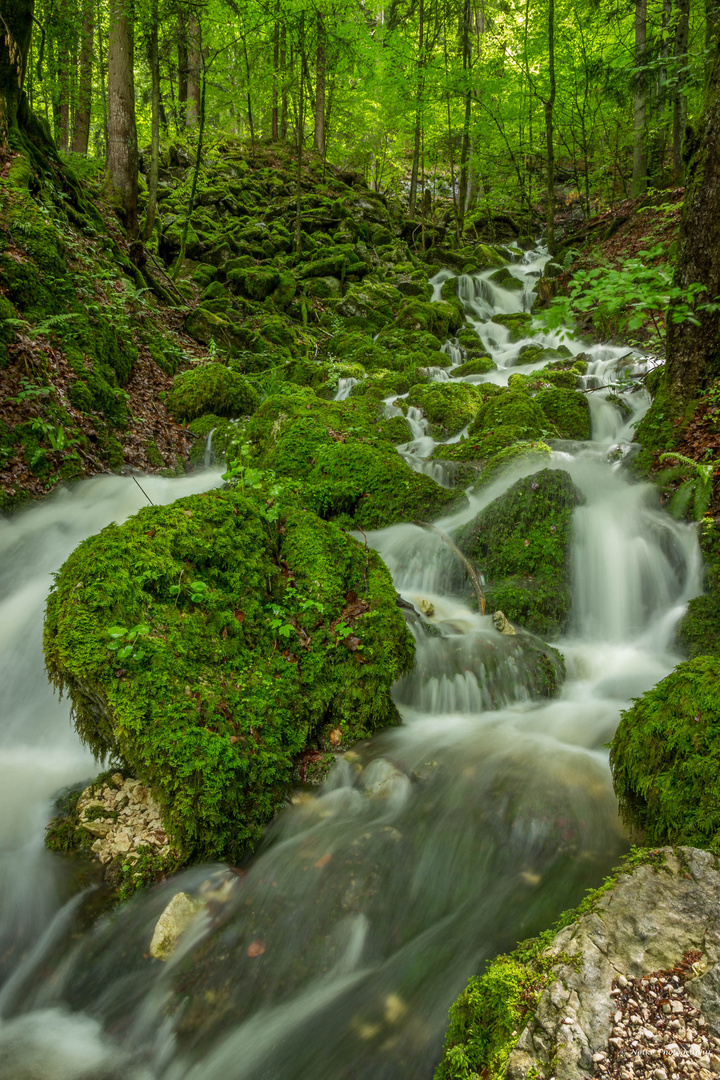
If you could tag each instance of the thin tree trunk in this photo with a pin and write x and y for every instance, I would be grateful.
(122, 160)
(276, 66)
(192, 114)
(81, 133)
(103, 78)
(467, 91)
(182, 50)
(712, 25)
(639, 177)
(656, 156)
(549, 134)
(63, 135)
(320, 57)
(418, 112)
(284, 94)
(300, 123)
(196, 173)
(155, 136)
(15, 37)
(249, 95)
(682, 31)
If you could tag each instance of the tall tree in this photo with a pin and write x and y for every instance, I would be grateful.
(682, 32)
(194, 70)
(81, 127)
(16, 19)
(639, 173)
(122, 157)
(320, 60)
(693, 347)
(549, 130)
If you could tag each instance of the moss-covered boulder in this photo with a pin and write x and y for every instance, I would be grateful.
(517, 323)
(438, 319)
(374, 487)
(211, 388)
(506, 280)
(448, 406)
(699, 630)
(567, 410)
(238, 633)
(521, 544)
(511, 455)
(511, 408)
(479, 365)
(370, 306)
(665, 758)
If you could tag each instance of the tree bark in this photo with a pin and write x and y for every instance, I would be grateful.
(467, 91)
(15, 34)
(192, 115)
(182, 50)
(155, 134)
(682, 31)
(693, 352)
(63, 133)
(300, 134)
(639, 176)
(81, 132)
(549, 133)
(276, 66)
(122, 160)
(320, 57)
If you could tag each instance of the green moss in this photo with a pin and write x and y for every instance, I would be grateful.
(517, 323)
(241, 664)
(438, 319)
(153, 455)
(511, 408)
(211, 388)
(665, 758)
(374, 487)
(567, 410)
(660, 429)
(479, 448)
(506, 280)
(500, 461)
(448, 406)
(521, 544)
(479, 365)
(698, 633)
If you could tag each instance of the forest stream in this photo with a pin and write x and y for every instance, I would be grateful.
(336, 952)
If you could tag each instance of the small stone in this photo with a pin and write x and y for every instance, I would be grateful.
(660, 1074)
(695, 1051)
(116, 780)
(173, 922)
(621, 981)
(677, 1006)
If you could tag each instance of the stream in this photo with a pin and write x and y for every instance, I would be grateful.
(337, 951)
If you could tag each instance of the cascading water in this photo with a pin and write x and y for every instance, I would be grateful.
(432, 846)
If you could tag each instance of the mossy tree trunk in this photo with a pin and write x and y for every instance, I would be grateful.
(693, 348)
(15, 32)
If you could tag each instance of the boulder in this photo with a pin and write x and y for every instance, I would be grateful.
(177, 917)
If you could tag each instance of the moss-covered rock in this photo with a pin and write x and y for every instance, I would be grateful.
(511, 408)
(503, 459)
(699, 630)
(518, 324)
(371, 305)
(448, 406)
(521, 544)
(209, 660)
(479, 365)
(438, 319)
(506, 280)
(665, 758)
(374, 487)
(211, 388)
(567, 410)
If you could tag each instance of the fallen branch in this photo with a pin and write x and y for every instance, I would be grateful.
(472, 572)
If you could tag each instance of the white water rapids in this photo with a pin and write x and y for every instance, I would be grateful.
(431, 847)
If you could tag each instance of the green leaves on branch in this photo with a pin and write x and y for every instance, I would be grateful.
(696, 491)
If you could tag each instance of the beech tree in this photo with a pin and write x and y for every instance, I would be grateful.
(122, 157)
(16, 18)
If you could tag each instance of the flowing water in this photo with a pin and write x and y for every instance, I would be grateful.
(337, 951)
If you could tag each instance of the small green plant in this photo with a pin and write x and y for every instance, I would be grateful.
(127, 643)
(198, 591)
(29, 391)
(245, 477)
(696, 490)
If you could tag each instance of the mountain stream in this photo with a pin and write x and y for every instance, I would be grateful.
(336, 952)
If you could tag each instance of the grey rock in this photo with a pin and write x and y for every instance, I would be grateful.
(645, 923)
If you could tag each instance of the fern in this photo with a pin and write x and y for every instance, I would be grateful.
(696, 491)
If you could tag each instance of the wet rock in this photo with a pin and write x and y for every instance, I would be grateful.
(501, 623)
(172, 924)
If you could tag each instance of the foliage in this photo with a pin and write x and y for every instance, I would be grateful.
(665, 758)
(695, 492)
(698, 633)
(213, 709)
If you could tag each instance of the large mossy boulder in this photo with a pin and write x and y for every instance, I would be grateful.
(235, 635)
(665, 758)
(568, 411)
(374, 487)
(511, 408)
(521, 544)
(211, 388)
(448, 406)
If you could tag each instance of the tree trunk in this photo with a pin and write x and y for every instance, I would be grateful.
(465, 145)
(656, 162)
(319, 134)
(192, 115)
(63, 132)
(682, 31)
(182, 49)
(122, 159)
(276, 66)
(712, 24)
(300, 133)
(639, 177)
(15, 33)
(249, 95)
(81, 132)
(549, 111)
(418, 112)
(155, 136)
(693, 352)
